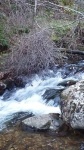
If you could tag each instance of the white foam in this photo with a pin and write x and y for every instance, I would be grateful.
(35, 104)
(29, 99)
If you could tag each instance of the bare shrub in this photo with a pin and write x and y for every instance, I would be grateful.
(33, 53)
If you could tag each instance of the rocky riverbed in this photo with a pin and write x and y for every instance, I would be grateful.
(16, 139)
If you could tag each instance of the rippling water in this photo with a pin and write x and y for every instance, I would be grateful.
(29, 99)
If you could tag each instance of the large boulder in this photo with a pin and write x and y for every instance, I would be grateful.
(42, 122)
(73, 105)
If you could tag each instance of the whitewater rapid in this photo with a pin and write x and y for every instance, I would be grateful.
(29, 99)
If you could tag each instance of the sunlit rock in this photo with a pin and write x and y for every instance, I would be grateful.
(42, 122)
(73, 105)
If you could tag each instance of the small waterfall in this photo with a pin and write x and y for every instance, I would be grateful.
(29, 99)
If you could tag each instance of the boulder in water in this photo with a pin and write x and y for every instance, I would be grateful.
(51, 93)
(73, 105)
(42, 122)
(19, 82)
(67, 83)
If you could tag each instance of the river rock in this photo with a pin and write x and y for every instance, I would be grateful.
(9, 83)
(42, 122)
(67, 83)
(19, 82)
(73, 105)
(51, 93)
(2, 88)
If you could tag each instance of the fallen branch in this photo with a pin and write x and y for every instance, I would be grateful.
(78, 52)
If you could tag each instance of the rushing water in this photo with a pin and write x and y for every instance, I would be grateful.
(29, 99)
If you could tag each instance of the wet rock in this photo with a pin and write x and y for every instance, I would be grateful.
(2, 88)
(67, 83)
(51, 93)
(43, 122)
(19, 82)
(17, 118)
(73, 105)
(57, 100)
(9, 83)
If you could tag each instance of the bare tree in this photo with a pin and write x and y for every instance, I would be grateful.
(35, 6)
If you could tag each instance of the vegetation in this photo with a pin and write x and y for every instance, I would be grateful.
(35, 31)
(3, 37)
(67, 2)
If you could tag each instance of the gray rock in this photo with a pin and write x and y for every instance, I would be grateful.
(73, 105)
(42, 122)
(9, 83)
(67, 83)
(18, 81)
(51, 93)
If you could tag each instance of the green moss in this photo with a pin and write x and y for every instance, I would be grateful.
(60, 29)
(55, 38)
(67, 2)
(49, 13)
